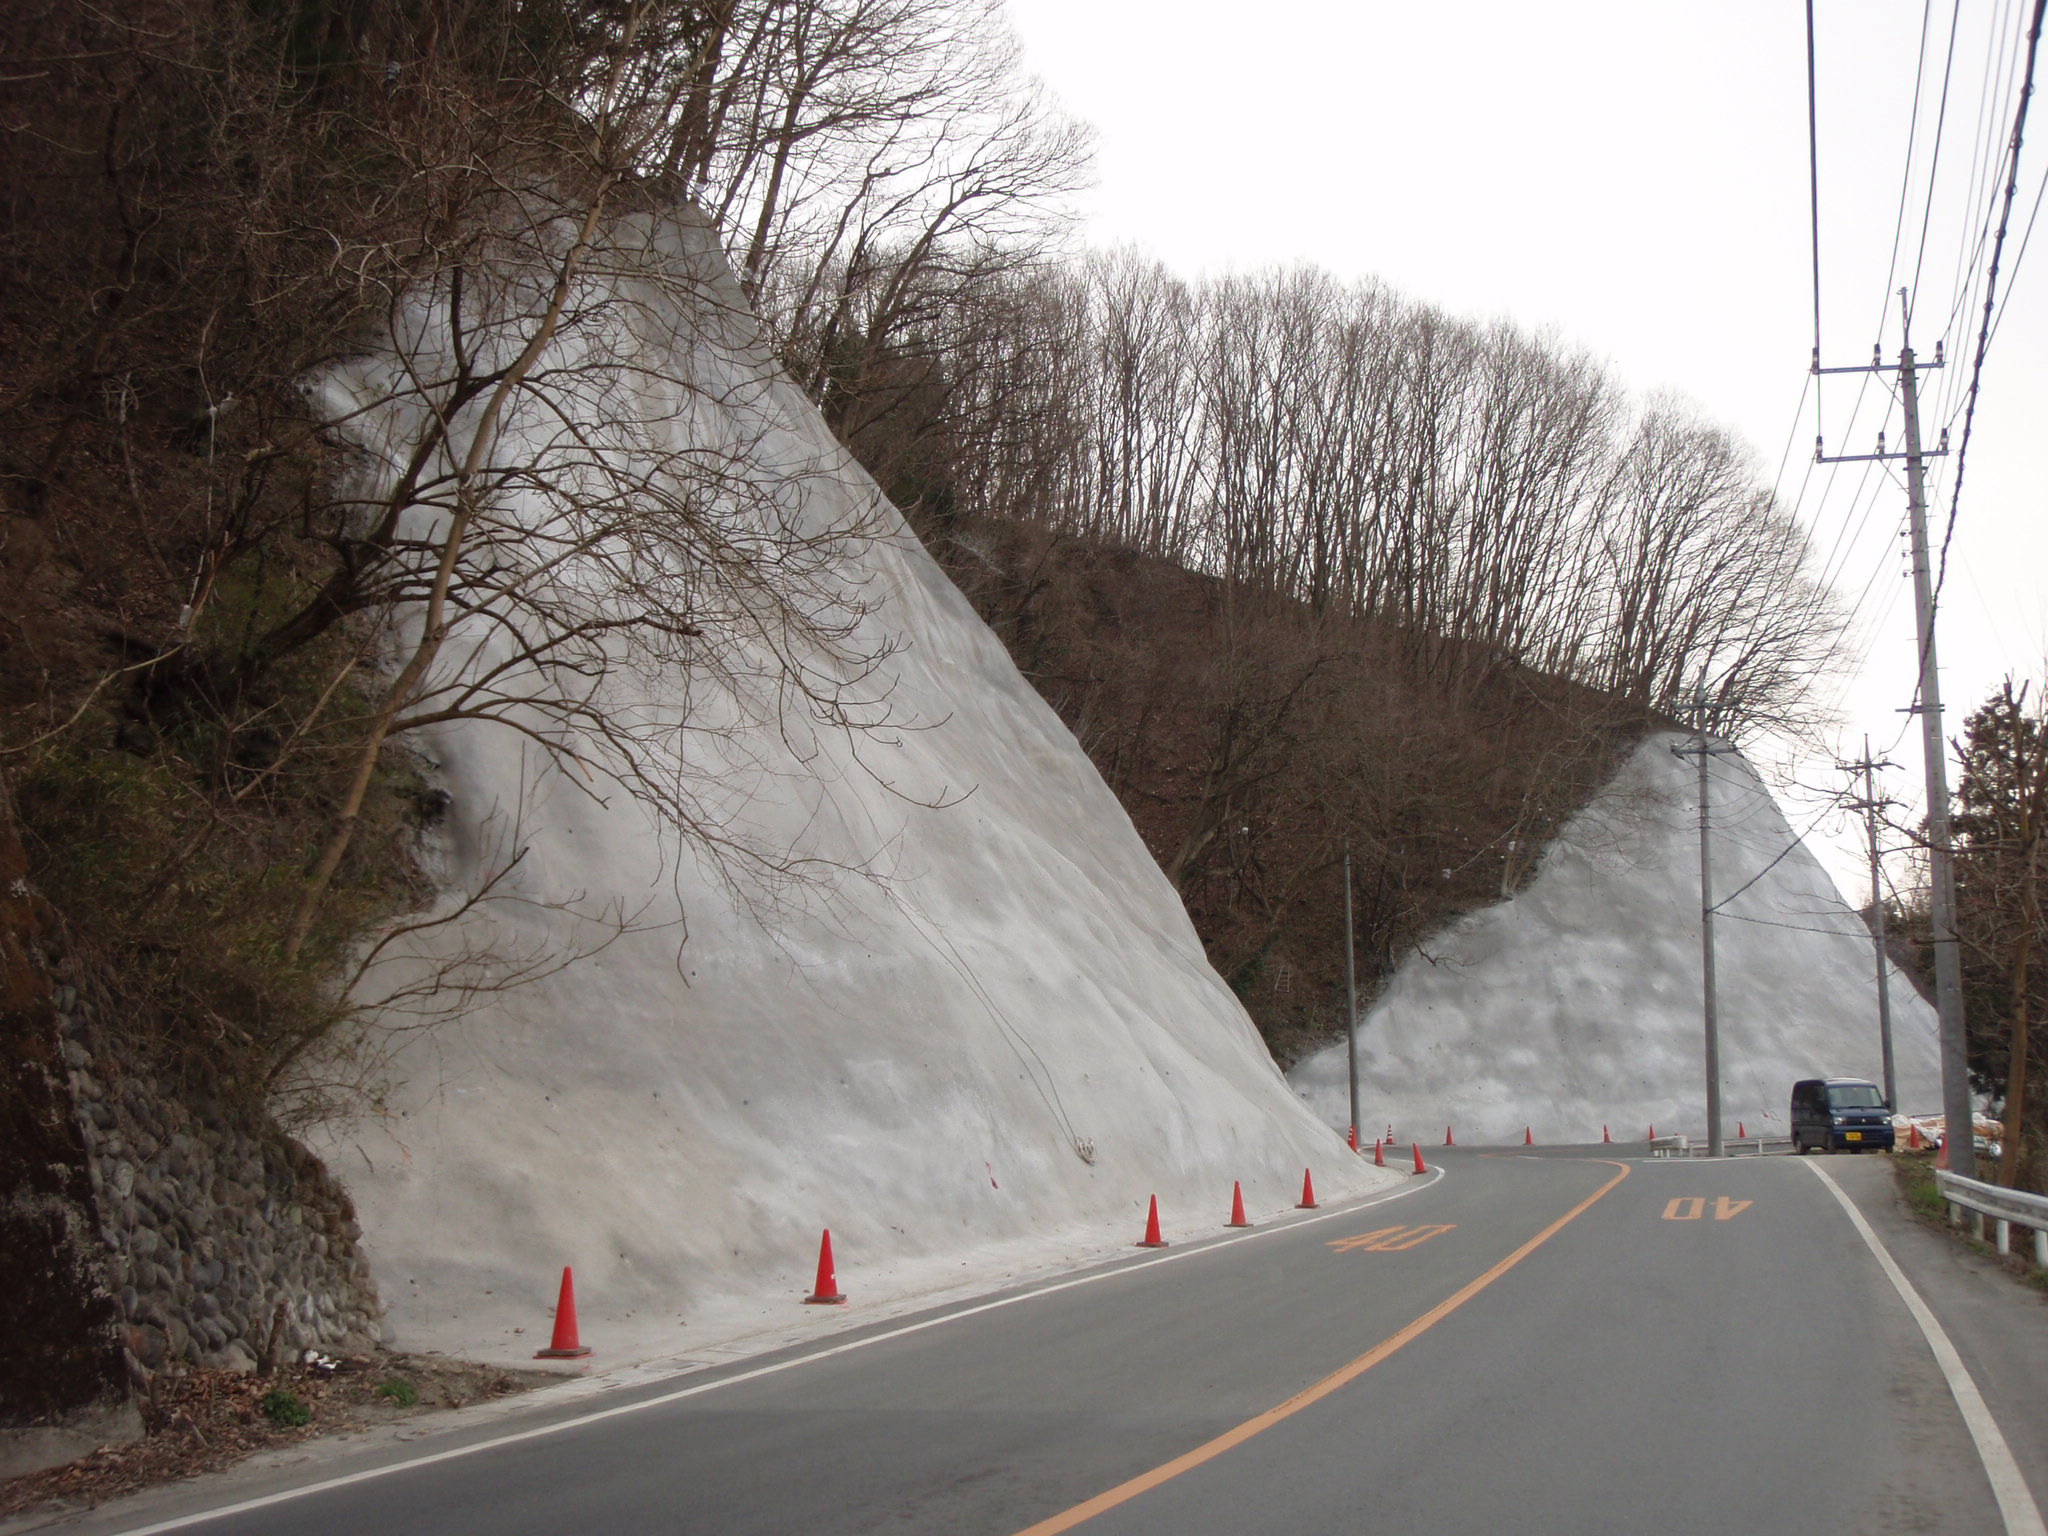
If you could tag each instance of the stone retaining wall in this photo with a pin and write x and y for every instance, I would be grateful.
(62, 1384)
(225, 1242)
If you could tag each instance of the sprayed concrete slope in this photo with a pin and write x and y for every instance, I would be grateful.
(984, 1058)
(1576, 1003)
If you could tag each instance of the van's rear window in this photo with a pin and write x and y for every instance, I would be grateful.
(1855, 1096)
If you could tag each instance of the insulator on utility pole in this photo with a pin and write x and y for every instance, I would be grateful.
(1956, 1100)
(1957, 1105)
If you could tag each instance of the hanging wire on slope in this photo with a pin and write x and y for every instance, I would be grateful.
(1765, 922)
(1834, 804)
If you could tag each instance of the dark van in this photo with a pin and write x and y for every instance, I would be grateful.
(1839, 1113)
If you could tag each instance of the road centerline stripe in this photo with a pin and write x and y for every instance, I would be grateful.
(2016, 1504)
(1209, 1450)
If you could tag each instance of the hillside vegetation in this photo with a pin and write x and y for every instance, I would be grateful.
(213, 644)
(1303, 564)
(1308, 566)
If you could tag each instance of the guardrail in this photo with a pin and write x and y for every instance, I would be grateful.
(2007, 1209)
(1734, 1146)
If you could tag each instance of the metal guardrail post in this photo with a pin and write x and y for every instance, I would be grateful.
(2002, 1207)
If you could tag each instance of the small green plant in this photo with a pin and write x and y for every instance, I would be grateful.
(284, 1409)
(1916, 1182)
(400, 1392)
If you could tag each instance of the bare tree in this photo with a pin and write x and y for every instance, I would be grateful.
(548, 459)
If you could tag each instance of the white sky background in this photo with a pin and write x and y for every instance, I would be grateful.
(1634, 175)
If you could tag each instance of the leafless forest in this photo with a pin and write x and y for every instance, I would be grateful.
(1305, 565)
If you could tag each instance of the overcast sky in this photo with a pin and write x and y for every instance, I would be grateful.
(1634, 175)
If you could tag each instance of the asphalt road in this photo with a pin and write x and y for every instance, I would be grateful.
(1533, 1344)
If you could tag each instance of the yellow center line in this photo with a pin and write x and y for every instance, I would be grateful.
(1209, 1450)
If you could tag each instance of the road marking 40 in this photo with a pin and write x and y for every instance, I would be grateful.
(1390, 1239)
(1693, 1207)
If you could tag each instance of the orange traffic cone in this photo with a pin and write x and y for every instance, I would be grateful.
(1741, 1131)
(1528, 1140)
(1941, 1156)
(1653, 1133)
(1354, 1138)
(1236, 1206)
(1604, 1137)
(1379, 1154)
(1152, 1239)
(827, 1293)
(1419, 1165)
(566, 1346)
(1308, 1192)
(1447, 1137)
(1913, 1141)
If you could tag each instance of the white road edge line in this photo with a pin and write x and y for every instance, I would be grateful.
(2008, 1485)
(186, 1522)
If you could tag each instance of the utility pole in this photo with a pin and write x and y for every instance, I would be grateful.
(1957, 1108)
(1350, 992)
(1871, 807)
(1710, 1015)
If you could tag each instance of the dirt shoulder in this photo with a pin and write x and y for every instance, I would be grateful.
(1921, 1196)
(203, 1421)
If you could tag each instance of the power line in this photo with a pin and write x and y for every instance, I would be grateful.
(1948, 976)
(1940, 126)
(1766, 922)
(2012, 184)
(1799, 841)
(2026, 239)
(1813, 185)
(1984, 147)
